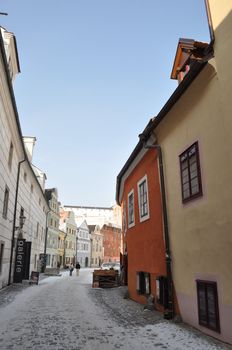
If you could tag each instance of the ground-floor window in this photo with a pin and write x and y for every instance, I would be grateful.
(1, 255)
(48, 259)
(143, 282)
(162, 290)
(35, 261)
(208, 311)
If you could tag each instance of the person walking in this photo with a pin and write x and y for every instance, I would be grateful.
(71, 268)
(78, 266)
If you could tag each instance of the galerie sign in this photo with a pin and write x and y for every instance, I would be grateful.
(19, 261)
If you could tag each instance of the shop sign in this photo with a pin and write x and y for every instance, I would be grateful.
(19, 261)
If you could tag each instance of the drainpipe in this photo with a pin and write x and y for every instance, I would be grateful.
(210, 24)
(14, 219)
(169, 311)
(45, 243)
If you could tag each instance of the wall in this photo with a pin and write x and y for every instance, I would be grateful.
(145, 246)
(200, 231)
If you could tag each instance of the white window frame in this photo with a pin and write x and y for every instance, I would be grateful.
(147, 216)
(131, 224)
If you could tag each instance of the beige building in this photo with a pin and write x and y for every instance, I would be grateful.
(69, 227)
(52, 228)
(194, 132)
(61, 248)
(97, 250)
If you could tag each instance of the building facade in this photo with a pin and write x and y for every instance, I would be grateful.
(143, 236)
(112, 242)
(22, 201)
(69, 228)
(53, 218)
(83, 245)
(97, 249)
(192, 131)
(96, 215)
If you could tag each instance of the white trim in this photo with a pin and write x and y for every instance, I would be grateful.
(128, 207)
(147, 216)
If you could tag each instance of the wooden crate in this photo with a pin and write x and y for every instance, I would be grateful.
(105, 278)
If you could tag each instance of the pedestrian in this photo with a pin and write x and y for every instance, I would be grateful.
(71, 268)
(78, 266)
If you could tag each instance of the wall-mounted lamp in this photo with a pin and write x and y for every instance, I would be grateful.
(22, 220)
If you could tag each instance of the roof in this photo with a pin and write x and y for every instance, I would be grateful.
(187, 48)
(91, 228)
(153, 123)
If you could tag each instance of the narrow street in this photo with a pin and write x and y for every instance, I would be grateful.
(67, 313)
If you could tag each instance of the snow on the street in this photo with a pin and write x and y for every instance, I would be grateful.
(66, 313)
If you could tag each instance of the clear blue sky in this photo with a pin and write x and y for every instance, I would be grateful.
(93, 72)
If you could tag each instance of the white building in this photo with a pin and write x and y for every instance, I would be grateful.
(21, 194)
(83, 245)
(97, 215)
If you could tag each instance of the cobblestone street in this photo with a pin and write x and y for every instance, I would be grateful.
(67, 313)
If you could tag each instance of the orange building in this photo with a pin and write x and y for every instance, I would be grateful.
(145, 244)
(112, 242)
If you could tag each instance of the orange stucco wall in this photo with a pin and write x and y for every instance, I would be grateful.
(145, 245)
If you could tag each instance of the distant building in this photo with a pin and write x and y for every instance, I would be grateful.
(96, 215)
(97, 249)
(112, 242)
(69, 228)
(52, 228)
(83, 245)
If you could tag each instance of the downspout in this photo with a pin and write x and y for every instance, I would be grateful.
(45, 243)
(14, 219)
(210, 23)
(169, 311)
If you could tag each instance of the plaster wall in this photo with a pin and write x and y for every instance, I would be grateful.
(200, 230)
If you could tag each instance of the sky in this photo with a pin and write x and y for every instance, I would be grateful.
(93, 73)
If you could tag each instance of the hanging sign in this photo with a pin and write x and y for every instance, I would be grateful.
(19, 261)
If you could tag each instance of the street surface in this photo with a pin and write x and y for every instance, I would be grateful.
(67, 313)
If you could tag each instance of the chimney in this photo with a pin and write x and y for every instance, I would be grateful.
(29, 143)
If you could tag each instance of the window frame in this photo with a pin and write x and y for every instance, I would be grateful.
(131, 223)
(2, 248)
(143, 283)
(10, 156)
(206, 324)
(145, 216)
(198, 176)
(5, 202)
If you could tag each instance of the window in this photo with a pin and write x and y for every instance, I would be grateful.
(208, 311)
(25, 176)
(143, 199)
(32, 188)
(35, 261)
(162, 290)
(37, 230)
(190, 173)
(131, 217)
(5, 203)
(1, 255)
(10, 155)
(143, 283)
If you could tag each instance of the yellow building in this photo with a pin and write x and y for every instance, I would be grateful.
(193, 131)
(61, 249)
